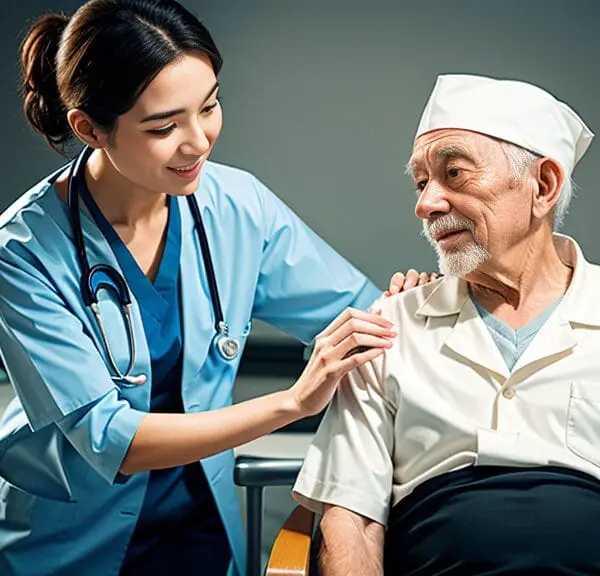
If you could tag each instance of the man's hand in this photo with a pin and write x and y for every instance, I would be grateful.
(401, 282)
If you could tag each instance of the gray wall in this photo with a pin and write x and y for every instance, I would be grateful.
(321, 101)
(322, 98)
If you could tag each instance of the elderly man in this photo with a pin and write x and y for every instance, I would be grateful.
(476, 438)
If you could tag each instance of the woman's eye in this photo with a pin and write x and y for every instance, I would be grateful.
(162, 131)
(421, 185)
(209, 108)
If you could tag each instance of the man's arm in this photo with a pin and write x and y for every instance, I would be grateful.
(352, 544)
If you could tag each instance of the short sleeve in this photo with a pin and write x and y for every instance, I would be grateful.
(57, 373)
(303, 283)
(349, 462)
(102, 433)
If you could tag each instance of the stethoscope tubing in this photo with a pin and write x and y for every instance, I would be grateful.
(227, 346)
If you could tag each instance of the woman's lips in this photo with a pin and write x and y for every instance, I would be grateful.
(187, 173)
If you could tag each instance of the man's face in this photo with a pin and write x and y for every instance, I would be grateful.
(472, 209)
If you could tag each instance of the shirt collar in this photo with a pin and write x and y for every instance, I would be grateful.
(580, 301)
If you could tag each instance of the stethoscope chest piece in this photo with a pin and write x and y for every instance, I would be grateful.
(228, 346)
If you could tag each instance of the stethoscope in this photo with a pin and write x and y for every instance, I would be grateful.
(95, 278)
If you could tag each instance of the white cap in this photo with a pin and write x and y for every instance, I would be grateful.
(509, 110)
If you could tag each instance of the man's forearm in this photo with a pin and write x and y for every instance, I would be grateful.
(352, 545)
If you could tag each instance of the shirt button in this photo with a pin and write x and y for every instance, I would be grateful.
(509, 393)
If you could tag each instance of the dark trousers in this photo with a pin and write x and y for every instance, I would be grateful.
(497, 521)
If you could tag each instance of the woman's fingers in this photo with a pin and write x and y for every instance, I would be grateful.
(412, 279)
(353, 334)
(352, 361)
(401, 282)
(355, 326)
(353, 313)
(357, 343)
(396, 284)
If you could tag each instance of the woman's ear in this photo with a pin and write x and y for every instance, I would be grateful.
(549, 178)
(86, 130)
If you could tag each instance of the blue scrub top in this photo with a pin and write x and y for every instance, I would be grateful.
(65, 435)
(179, 527)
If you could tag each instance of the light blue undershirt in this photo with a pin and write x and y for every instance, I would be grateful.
(512, 343)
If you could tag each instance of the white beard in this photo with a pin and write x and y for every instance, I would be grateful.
(462, 262)
(457, 262)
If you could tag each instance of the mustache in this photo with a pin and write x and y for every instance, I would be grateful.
(446, 223)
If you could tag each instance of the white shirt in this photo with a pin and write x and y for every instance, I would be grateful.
(443, 398)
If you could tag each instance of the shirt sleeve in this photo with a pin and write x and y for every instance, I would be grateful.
(57, 373)
(349, 462)
(303, 283)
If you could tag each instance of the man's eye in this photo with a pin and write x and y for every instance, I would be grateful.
(421, 185)
(162, 131)
(453, 172)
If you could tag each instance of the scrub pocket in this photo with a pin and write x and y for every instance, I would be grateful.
(15, 507)
(21, 508)
(583, 421)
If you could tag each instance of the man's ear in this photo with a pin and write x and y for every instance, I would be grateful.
(86, 129)
(549, 177)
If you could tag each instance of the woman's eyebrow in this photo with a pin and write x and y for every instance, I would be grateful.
(168, 113)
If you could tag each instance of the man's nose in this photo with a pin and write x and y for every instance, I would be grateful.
(432, 202)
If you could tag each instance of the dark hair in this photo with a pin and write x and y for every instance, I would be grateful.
(102, 59)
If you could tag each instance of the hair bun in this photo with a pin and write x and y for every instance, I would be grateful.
(43, 106)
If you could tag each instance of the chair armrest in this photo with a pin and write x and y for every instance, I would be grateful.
(257, 471)
(291, 551)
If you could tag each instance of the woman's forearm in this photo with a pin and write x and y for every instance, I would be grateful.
(168, 440)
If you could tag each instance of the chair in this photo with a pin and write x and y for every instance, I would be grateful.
(291, 550)
(260, 464)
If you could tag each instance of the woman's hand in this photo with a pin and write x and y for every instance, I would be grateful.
(353, 338)
(400, 282)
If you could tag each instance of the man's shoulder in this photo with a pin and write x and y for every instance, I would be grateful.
(593, 268)
(403, 308)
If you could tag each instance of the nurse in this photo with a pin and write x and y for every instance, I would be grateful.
(115, 456)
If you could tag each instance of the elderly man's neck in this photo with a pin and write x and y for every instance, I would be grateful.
(523, 283)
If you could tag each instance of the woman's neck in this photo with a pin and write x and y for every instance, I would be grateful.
(123, 204)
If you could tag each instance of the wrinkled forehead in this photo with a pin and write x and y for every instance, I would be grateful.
(440, 145)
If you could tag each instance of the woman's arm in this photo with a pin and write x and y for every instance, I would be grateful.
(166, 440)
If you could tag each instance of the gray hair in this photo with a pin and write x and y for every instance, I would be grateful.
(520, 161)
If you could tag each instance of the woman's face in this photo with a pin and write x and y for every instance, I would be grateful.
(162, 143)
